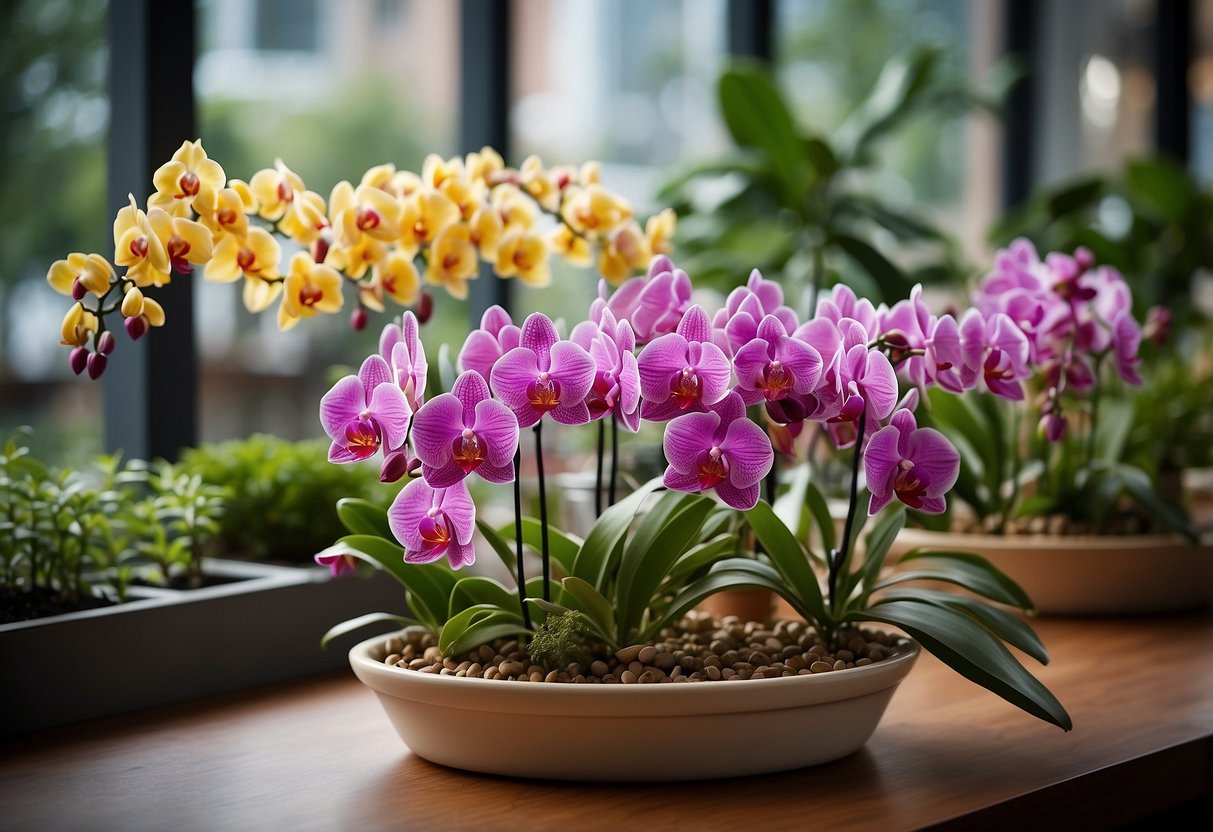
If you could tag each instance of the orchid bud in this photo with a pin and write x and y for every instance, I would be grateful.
(1083, 258)
(321, 252)
(425, 307)
(1052, 427)
(136, 327)
(77, 359)
(358, 319)
(1158, 325)
(96, 365)
(395, 465)
(106, 343)
(78, 290)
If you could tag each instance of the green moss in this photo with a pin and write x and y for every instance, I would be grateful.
(559, 641)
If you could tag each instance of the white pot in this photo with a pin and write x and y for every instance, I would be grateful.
(687, 731)
(1088, 575)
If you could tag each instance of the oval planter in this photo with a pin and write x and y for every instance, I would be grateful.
(618, 732)
(1089, 575)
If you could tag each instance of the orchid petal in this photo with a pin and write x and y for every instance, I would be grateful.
(342, 404)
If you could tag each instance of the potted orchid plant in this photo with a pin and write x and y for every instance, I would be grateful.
(1046, 486)
(610, 622)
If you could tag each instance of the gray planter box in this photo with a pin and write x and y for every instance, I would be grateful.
(172, 645)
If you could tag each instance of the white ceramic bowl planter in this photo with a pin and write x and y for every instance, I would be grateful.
(617, 732)
(1088, 575)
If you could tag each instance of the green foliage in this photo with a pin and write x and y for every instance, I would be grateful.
(798, 201)
(283, 494)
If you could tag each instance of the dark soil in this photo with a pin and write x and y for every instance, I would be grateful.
(40, 603)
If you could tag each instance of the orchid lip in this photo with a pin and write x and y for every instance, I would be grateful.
(544, 393)
(685, 389)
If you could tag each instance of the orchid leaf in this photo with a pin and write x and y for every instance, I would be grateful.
(969, 649)
(964, 569)
(700, 556)
(562, 547)
(504, 549)
(789, 558)
(719, 580)
(757, 116)
(1005, 625)
(364, 517)
(590, 601)
(878, 541)
(478, 625)
(477, 589)
(365, 621)
(593, 562)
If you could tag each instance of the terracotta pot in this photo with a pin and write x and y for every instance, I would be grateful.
(617, 732)
(746, 604)
(1088, 575)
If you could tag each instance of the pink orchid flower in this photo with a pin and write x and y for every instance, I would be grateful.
(339, 564)
(682, 371)
(918, 466)
(616, 388)
(431, 522)
(364, 413)
(719, 449)
(400, 346)
(747, 305)
(868, 385)
(655, 303)
(485, 346)
(465, 431)
(544, 375)
(774, 365)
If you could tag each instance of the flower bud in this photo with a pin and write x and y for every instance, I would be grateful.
(358, 318)
(1158, 326)
(1083, 258)
(1052, 427)
(132, 303)
(425, 307)
(96, 365)
(136, 327)
(106, 343)
(78, 290)
(77, 359)
(321, 251)
(395, 465)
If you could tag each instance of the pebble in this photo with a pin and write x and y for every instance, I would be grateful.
(646, 654)
(599, 668)
(821, 667)
(628, 654)
(511, 668)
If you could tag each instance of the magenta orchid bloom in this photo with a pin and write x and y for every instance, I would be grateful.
(616, 388)
(774, 365)
(655, 303)
(916, 465)
(364, 413)
(1006, 352)
(842, 303)
(339, 564)
(746, 306)
(868, 384)
(719, 449)
(682, 371)
(431, 522)
(401, 347)
(544, 375)
(485, 346)
(465, 431)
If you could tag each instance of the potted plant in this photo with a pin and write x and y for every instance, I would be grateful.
(1048, 487)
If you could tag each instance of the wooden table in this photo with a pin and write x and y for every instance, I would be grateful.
(321, 755)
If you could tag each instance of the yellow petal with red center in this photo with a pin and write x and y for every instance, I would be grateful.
(245, 193)
(286, 320)
(196, 237)
(229, 216)
(275, 189)
(93, 271)
(167, 176)
(660, 231)
(132, 303)
(169, 204)
(595, 210)
(406, 183)
(260, 294)
(452, 260)
(330, 283)
(435, 170)
(153, 312)
(515, 210)
(380, 176)
(127, 218)
(525, 254)
(486, 228)
(305, 218)
(590, 174)
(464, 194)
(397, 275)
(223, 267)
(483, 165)
(573, 248)
(266, 253)
(536, 182)
(62, 275)
(78, 326)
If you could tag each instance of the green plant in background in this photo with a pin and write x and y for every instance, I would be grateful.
(796, 203)
(283, 494)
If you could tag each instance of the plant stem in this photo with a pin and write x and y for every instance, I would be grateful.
(526, 614)
(543, 511)
(614, 459)
(840, 556)
(772, 480)
(598, 478)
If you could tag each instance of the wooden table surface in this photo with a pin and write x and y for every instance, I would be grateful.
(322, 755)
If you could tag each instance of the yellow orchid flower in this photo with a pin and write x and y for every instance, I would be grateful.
(256, 257)
(451, 261)
(188, 243)
(140, 312)
(525, 254)
(659, 231)
(380, 177)
(92, 270)
(405, 183)
(538, 183)
(574, 248)
(435, 170)
(231, 213)
(625, 251)
(482, 166)
(366, 210)
(426, 214)
(306, 219)
(79, 324)
(595, 210)
(139, 249)
(486, 227)
(188, 180)
(515, 210)
(309, 288)
(465, 193)
(356, 259)
(590, 173)
(275, 189)
(397, 275)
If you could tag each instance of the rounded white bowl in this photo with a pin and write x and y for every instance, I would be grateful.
(1088, 575)
(632, 732)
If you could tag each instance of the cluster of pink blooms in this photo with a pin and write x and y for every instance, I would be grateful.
(647, 352)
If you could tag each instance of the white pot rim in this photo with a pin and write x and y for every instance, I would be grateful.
(628, 700)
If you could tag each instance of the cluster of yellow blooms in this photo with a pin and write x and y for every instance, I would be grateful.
(372, 236)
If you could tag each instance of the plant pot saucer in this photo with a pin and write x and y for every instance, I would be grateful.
(656, 732)
(1089, 574)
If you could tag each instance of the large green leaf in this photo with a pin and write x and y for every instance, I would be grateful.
(364, 517)
(477, 589)
(594, 560)
(969, 649)
(749, 576)
(700, 556)
(590, 602)
(365, 621)
(478, 625)
(1162, 185)
(757, 116)
(1138, 484)
(892, 520)
(745, 163)
(1005, 625)
(562, 547)
(789, 559)
(894, 96)
(503, 548)
(964, 569)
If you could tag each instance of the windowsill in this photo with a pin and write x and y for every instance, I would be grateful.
(322, 754)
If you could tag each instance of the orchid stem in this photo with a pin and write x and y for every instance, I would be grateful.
(543, 511)
(526, 614)
(839, 559)
(614, 459)
(772, 480)
(598, 478)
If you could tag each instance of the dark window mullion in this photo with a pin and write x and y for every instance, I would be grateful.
(751, 27)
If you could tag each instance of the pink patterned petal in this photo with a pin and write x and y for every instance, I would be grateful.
(669, 409)
(630, 419)
(879, 386)
(714, 373)
(539, 335)
(511, 375)
(407, 511)
(480, 352)
(742, 499)
(460, 510)
(459, 555)
(418, 557)
(729, 409)
(686, 437)
(878, 502)
(374, 371)
(741, 329)
(445, 475)
(771, 329)
(629, 384)
(388, 339)
(749, 362)
(497, 427)
(574, 369)
(657, 364)
(931, 451)
(499, 474)
(748, 450)
(933, 505)
(494, 320)
(604, 352)
(820, 334)
(695, 325)
(470, 388)
(576, 413)
(393, 413)
(880, 461)
(680, 482)
(528, 415)
(584, 334)
(435, 428)
(342, 404)
(341, 454)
